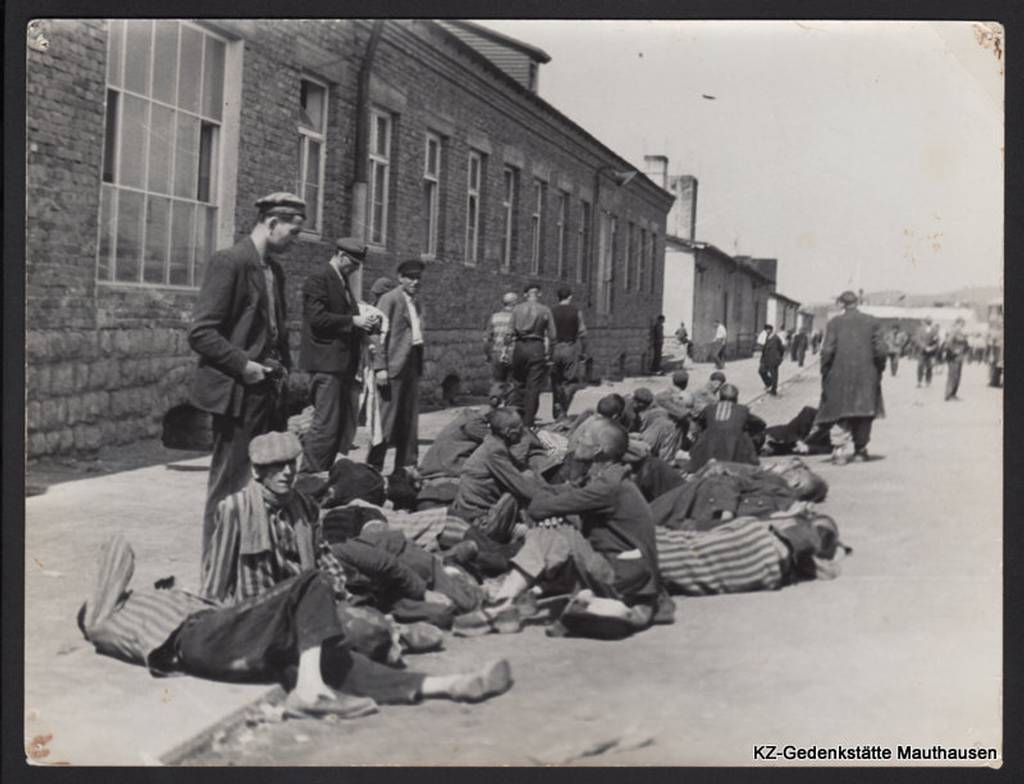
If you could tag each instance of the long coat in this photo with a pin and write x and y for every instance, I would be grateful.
(330, 342)
(396, 345)
(852, 359)
(230, 327)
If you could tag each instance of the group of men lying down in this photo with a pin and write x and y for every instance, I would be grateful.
(324, 582)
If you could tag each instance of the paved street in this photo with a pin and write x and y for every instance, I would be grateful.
(903, 647)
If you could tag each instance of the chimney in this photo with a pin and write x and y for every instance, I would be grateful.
(656, 168)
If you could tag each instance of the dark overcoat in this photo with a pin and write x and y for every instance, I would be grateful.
(330, 342)
(852, 359)
(230, 326)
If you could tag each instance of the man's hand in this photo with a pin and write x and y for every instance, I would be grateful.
(381, 377)
(550, 522)
(365, 323)
(253, 373)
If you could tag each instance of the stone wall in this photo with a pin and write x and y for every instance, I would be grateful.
(106, 362)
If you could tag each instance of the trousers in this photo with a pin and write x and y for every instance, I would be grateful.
(894, 363)
(401, 415)
(564, 375)
(718, 353)
(335, 403)
(528, 372)
(925, 362)
(770, 376)
(855, 431)
(261, 639)
(955, 366)
(229, 462)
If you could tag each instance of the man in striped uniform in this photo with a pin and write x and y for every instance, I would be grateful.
(290, 633)
(498, 339)
(748, 554)
(726, 428)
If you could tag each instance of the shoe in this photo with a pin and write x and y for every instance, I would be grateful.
(420, 637)
(502, 620)
(493, 679)
(344, 706)
(861, 456)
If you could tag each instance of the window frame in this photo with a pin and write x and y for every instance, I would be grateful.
(305, 136)
(583, 249)
(200, 209)
(627, 271)
(653, 262)
(432, 192)
(537, 227)
(473, 196)
(562, 224)
(379, 161)
(509, 192)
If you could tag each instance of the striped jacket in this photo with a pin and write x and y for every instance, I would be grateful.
(744, 554)
(255, 546)
(133, 625)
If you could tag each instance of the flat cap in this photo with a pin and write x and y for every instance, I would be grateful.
(411, 268)
(274, 447)
(282, 203)
(533, 284)
(509, 298)
(351, 246)
(847, 298)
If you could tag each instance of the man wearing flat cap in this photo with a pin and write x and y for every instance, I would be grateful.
(332, 331)
(238, 331)
(852, 360)
(398, 367)
(533, 329)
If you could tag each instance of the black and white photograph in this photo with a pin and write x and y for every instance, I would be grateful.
(512, 392)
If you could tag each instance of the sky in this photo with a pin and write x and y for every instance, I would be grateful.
(860, 154)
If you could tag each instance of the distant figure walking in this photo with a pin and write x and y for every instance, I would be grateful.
(798, 347)
(927, 343)
(657, 340)
(852, 360)
(718, 346)
(954, 350)
(771, 358)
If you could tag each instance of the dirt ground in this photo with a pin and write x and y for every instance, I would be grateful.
(903, 648)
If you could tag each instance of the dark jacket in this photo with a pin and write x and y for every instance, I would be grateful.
(396, 345)
(230, 327)
(773, 351)
(852, 359)
(725, 435)
(330, 343)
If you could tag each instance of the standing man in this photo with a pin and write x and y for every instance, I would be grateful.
(894, 347)
(657, 341)
(238, 331)
(718, 347)
(569, 350)
(684, 341)
(955, 349)
(771, 358)
(498, 339)
(533, 328)
(852, 361)
(330, 351)
(927, 343)
(798, 347)
(399, 366)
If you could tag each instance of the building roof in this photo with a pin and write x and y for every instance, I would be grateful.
(739, 262)
(784, 298)
(535, 54)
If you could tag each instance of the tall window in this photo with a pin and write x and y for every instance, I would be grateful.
(563, 218)
(583, 249)
(380, 175)
(312, 135)
(627, 271)
(161, 152)
(431, 191)
(653, 262)
(641, 271)
(606, 262)
(537, 228)
(508, 206)
(474, 177)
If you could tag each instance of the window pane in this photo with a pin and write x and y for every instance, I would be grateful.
(110, 137)
(131, 163)
(161, 137)
(213, 78)
(312, 196)
(191, 62)
(137, 53)
(206, 238)
(182, 230)
(115, 52)
(165, 60)
(474, 172)
(108, 201)
(432, 148)
(187, 156)
(313, 164)
(312, 97)
(208, 137)
(380, 144)
(129, 235)
(158, 218)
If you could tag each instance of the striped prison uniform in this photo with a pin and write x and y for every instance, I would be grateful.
(744, 554)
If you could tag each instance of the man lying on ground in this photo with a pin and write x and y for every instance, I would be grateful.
(798, 436)
(749, 554)
(612, 556)
(727, 429)
(290, 633)
(720, 491)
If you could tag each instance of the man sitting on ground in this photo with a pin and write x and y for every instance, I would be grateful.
(612, 555)
(290, 633)
(708, 394)
(726, 428)
(657, 428)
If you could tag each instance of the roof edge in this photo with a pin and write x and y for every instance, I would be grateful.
(474, 27)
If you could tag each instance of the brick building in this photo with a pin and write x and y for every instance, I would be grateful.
(148, 142)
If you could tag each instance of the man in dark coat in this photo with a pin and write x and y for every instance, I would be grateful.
(726, 430)
(332, 331)
(771, 358)
(399, 366)
(238, 330)
(798, 347)
(852, 360)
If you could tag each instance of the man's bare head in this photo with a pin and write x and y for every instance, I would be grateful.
(611, 406)
(604, 442)
(729, 393)
(507, 425)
